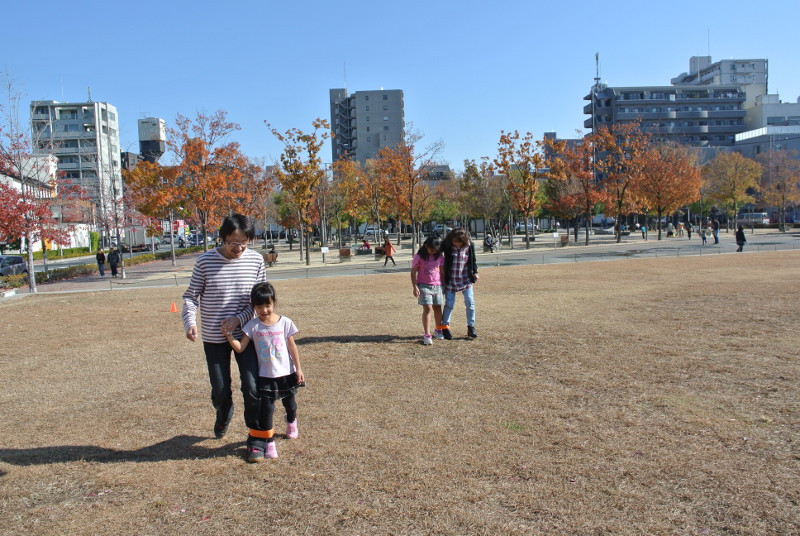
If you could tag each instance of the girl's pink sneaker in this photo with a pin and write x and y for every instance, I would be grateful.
(291, 429)
(271, 451)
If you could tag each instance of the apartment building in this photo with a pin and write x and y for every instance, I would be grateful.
(364, 122)
(84, 137)
(750, 74)
(698, 116)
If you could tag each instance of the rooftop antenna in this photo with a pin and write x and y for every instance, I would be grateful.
(90, 93)
(597, 68)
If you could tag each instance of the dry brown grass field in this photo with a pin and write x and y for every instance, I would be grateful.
(645, 397)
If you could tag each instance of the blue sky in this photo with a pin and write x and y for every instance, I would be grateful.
(468, 69)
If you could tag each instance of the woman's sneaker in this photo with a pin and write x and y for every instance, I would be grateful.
(427, 339)
(271, 450)
(291, 429)
(255, 454)
(438, 334)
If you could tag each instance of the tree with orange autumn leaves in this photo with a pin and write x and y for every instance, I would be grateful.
(351, 193)
(521, 160)
(572, 189)
(619, 158)
(780, 181)
(406, 167)
(300, 171)
(669, 178)
(210, 169)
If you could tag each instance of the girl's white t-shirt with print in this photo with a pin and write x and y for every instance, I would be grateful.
(274, 360)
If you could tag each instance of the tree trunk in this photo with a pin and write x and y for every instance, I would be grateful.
(31, 269)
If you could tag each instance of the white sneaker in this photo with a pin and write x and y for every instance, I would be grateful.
(427, 339)
(438, 334)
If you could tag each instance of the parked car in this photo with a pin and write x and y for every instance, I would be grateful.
(12, 264)
(441, 230)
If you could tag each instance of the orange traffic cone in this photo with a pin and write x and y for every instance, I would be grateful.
(173, 308)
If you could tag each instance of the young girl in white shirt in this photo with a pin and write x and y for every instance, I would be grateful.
(279, 372)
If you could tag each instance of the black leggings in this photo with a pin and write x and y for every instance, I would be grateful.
(270, 389)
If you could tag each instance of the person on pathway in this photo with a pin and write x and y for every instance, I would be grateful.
(689, 230)
(460, 274)
(101, 262)
(220, 286)
(388, 250)
(703, 233)
(279, 371)
(644, 231)
(740, 239)
(426, 283)
(113, 261)
(715, 232)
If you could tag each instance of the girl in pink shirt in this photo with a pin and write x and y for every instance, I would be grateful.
(426, 281)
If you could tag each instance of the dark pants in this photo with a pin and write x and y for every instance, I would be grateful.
(267, 410)
(389, 258)
(218, 358)
(113, 270)
(101, 266)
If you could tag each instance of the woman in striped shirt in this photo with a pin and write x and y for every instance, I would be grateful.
(221, 282)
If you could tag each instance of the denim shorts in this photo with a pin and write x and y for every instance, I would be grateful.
(430, 294)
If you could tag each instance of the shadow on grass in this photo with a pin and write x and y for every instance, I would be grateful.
(180, 447)
(355, 338)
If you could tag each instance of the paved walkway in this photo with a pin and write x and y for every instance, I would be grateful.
(544, 251)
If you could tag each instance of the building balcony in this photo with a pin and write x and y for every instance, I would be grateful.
(692, 115)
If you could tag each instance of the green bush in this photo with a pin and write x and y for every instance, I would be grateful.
(60, 274)
(68, 253)
(94, 240)
(15, 280)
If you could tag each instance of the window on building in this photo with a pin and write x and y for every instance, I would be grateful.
(112, 116)
(90, 174)
(72, 175)
(68, 114)
(386, 97)
(384, 138)
(385, 106)
(70, 128)
(88, 113)
(385, 127)
(105, 129)
(366, 97)
(88, 143)
(369, 139)
(367, 129)
(41, 110)
(104, 114)
(367, 119)
(385, 117)
(112, 132)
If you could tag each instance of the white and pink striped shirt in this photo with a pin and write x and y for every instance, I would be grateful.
(221, 288)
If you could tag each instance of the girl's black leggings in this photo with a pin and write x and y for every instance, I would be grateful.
(265, 421)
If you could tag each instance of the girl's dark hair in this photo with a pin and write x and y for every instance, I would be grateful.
(432, 242)
(237, 222)
(262, 294)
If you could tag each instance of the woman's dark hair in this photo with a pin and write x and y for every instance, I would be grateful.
(459, 234)
(432, 242)
(262, 294)
(237, 222)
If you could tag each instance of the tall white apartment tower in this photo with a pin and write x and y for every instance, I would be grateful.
(84, 136)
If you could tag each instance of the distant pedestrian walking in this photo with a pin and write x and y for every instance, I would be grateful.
(113, 261)
(715, 231)
(689, 230)
(101, 262)
(703, 233)
(740, 239)
(644, 232)
(388, 250)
